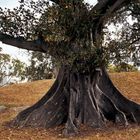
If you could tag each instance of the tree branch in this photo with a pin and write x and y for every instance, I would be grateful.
(20, 42)
(56, 1)
(61, 3)
(102, 10)
(108, 6)
(135, 41)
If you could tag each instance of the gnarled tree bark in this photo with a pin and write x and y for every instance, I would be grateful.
(77, 98)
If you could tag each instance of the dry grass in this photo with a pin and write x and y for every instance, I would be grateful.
(24, 94)
(29, 93)
(128, 83)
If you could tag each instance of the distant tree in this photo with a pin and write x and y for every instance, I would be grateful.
(72, 32)
(40, 67)
(11, 70)
(122, 67)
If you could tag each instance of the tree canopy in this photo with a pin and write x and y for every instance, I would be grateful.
(72, 30)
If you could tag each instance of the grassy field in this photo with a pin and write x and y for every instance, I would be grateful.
(26, 94)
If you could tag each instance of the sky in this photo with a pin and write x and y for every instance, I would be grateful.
(8, 3)
(13, 51)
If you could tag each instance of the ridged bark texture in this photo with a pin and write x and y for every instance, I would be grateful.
(77, 98)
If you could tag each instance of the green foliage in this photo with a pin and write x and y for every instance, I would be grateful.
(10, 69)
(123, 67)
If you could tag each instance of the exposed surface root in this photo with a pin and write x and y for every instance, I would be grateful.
(80, 98)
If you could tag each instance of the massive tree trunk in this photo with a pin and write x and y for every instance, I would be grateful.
(76, 98)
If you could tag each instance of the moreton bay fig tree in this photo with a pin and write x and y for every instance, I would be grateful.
(71, 32)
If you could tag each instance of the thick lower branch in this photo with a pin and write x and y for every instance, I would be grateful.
(20, 42)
